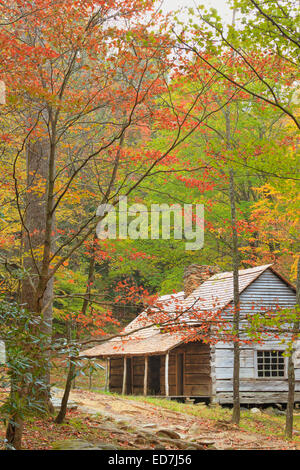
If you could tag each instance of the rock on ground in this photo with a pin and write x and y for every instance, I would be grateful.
(81, 444)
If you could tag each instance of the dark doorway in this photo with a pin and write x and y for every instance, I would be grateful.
(179, 374)
(129, 384)
(154, 375)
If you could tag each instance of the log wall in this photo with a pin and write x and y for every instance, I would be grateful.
(116, 367)
(196, 371)
(267, 291)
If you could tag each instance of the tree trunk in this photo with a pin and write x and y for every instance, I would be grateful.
(37, 156)
(235, 265)
(64, 403)
(90, 280)
(34, 228)
(14, 433)
(235, 270)
(291, 399)
(71, 374)
(236, 302)
(291, 370)
(14, 429)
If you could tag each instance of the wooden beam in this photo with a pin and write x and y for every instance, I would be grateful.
(167, 374)
(124, 376)
(146, 376)
(131, 391)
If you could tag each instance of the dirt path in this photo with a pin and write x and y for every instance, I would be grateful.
(146, 416)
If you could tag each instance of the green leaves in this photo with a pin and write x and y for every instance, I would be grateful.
(272, 25)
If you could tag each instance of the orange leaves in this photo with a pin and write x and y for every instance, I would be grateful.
(5, 137)
(69, 34)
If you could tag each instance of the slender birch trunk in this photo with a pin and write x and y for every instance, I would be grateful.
(236, 294)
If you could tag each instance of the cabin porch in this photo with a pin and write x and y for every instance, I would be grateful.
(181, 372)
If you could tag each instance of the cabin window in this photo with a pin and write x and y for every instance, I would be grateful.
(270, 364)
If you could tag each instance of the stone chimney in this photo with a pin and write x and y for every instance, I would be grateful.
(195, 274)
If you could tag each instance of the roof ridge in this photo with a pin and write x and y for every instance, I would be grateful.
(254, 271)
(242, 272)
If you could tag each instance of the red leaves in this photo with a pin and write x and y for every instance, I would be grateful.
(5, 137)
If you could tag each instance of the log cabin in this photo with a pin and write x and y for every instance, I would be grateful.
(152, 361)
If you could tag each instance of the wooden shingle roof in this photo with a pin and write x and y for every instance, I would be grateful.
(217, 292)
(157, 343)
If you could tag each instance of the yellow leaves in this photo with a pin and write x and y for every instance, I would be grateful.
(267, 190)
(294, 268)
(276, 218)
(244, 249)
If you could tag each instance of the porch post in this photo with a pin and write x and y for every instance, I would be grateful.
(167, 374)
(124, 376)
(107, 364)
(146, 376)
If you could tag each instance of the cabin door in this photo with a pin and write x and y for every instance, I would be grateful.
(154, 375)
(180, 374)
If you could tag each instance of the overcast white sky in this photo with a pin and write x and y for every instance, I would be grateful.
(219, 5)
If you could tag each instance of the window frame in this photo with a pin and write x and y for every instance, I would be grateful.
(283, 377)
